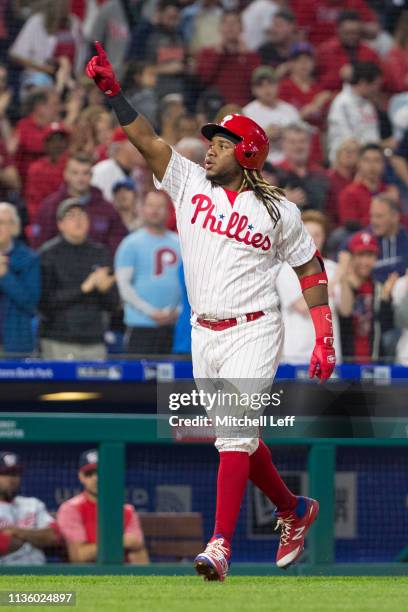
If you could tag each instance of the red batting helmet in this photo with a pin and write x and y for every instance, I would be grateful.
(252, 149)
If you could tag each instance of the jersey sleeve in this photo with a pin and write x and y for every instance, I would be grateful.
(70, 523)
(180, 172)
(296, 245)
(132, 523)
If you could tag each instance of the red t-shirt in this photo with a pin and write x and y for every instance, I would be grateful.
(30, 144)
(319, 17)
(229, 73)
(396, 70)
(77, 519)
(362, 315)
(43, 178)
(355, 200)
(331, 56)
(337, 182)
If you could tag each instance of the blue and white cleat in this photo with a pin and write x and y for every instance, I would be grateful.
(214, 562)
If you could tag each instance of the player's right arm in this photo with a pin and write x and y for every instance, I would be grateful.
(140, 132)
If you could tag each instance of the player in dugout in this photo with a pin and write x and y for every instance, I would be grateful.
(77, 519)
(25, 524)
(235, 230)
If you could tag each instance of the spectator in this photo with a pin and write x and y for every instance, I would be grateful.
(400, 304)
(43, 109)
(26, 525)
(301, 89)
(164, 48)
(171, 108)
(318, 18)
(299, 331)
(78, 522)
(399, 166)
(254, 16)
(200, 24)
(47, 37)
(192, 148)
(268, 111)
(391, 237)
(109, 25)
(281, 38)
(140, 87)
(146, 269)
(364, 306)
(186, 126)
(337, 56)
(125, 202)
(46, 174)
(123, 160)
(77, 289)
(355, 199)
(296, 146)
(352, 113)
(396, 62)
(340, 175)
(106, 226)
(218, 67)
(19, 286)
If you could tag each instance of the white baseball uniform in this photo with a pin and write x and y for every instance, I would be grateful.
(27, 512)
(232, 254)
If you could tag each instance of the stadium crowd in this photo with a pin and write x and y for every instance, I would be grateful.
(89, 255)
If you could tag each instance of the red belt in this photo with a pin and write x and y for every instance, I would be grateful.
(226, 323)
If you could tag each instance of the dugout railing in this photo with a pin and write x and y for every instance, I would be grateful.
(112, 433)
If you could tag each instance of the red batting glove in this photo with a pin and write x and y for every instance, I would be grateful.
(323, 357)
(101, 71)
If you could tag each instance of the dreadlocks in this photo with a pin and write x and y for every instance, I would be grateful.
(269, 195)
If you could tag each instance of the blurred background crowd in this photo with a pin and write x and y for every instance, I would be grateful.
(89, 254)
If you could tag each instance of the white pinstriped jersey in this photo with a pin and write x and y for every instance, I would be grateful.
(27, 512)
(231, 253)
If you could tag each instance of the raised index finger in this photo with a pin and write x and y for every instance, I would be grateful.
(100, 50)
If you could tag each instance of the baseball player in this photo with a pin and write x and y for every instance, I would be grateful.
(25, 524)
(235, 230)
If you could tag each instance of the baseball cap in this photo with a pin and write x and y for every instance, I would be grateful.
(263, 73)
(119, 135)
(124, 183)
(66, 205)
(56, 127)
(301, 48)
(88, 460)
(363, 241)
(10, 462)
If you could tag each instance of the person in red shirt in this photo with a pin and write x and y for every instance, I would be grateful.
(229, 67)
(78, 523)
(318, 18)
(46, 174)
(355, 199)
(364, 306)
(302, 90)
(396, 61)
(336, 56)
(43, 108)
(340, 175)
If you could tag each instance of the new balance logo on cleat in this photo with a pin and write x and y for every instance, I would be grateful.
(294, 529)
(213, 563)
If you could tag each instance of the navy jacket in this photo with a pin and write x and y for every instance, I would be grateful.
(20, 288)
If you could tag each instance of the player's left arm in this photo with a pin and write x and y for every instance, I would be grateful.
(313, 280)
